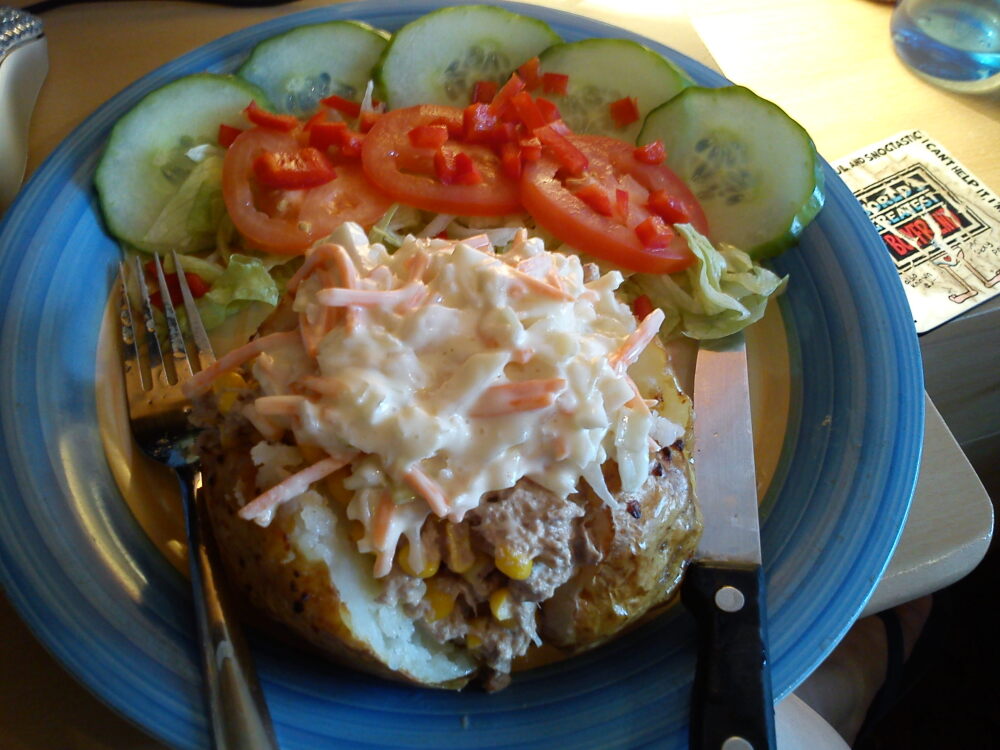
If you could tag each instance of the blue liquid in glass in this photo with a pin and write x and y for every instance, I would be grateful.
(949, 40)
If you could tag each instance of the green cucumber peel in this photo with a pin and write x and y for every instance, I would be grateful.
(439, 57)
(754, 169)
(602, 71)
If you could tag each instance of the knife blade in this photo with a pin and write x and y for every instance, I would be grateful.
(732, 706)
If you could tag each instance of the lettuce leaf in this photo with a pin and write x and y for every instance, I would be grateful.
(240, 299)
(721, 293)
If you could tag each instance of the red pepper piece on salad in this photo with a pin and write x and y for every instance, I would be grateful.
(654, 233)
(528, 71)
(510, 160)
(367, 119)
(531, 149)
(652, 153)
(548, 109)
(501, 102)
(466, 171)
(428, 136)
(198, 286)
(293, 170)
(555, 83)
(270, 120)
(621, 205)
(642, 306)
(342, 105)
(667, 207)
(554, 140)
(624, 111)
(484, 91)
(595, 197)
(527, 111)
(227, 134)
(479, 124)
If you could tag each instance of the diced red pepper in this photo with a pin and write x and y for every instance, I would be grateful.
(293, 170)
(621, 205)
(466, 171)
(531, 149)
(642, 306)
(323, 134)
(667, 207)
(555, 83)
(428, 136)
(653, 233)
(269, 120)
(227, 134)
(549, 110)
(624, 111)
(197, 285)
(367, 120)
(484, 91)
(652, 153)
(527, 110)
(479, 123)
(501, 102)
(556, 142)
(314, 120)
(529, 73)
(595, 197)
(351, 144)
(342, 105)
(510, 160)
(444, 167)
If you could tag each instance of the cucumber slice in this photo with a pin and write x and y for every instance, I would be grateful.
(439, 57)
(298, 68)
(159, 180)
(754, 169)
(602, 71)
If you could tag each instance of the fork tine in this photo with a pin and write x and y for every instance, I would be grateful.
(205, 354)
(175, 337)
(155, 354)
(135, 378)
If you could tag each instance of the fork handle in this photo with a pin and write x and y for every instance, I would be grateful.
(240, 719)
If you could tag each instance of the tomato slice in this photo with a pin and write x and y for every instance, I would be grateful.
(407, 172)
(548, 195)
(289, 221)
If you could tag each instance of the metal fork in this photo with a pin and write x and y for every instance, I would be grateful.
(158, 410)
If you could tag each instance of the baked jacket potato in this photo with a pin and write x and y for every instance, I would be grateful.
(455, 593)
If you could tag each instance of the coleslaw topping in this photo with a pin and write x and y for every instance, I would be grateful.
(445, 370)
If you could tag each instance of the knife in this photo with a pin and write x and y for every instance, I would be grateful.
(731, 706)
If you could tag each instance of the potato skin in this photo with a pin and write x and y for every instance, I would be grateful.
(644, 543)
(260, 563)
(646, 540)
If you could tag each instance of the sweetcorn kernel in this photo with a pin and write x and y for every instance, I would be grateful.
(458, 547)
(512, 564)
(431, 562)
(226, 388)
(502, 606)
(442, 603)
(474, 638)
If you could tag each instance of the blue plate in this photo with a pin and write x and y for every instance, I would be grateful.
(102, 598)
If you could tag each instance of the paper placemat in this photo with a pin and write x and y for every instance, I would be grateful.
(940, 224)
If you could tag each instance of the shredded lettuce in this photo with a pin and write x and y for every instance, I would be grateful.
(246, 280)
(721, 293)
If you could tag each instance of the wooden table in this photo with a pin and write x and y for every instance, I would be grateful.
(828, 63)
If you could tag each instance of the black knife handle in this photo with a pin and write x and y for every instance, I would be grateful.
(731, 699)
